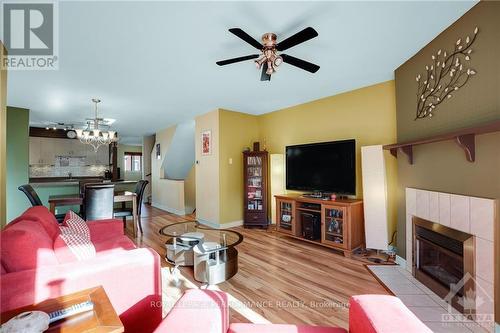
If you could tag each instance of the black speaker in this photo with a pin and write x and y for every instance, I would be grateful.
(311, 226)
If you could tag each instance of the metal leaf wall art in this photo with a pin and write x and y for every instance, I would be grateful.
(446, 74)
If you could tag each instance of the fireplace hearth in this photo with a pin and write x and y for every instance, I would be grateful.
(442, 257)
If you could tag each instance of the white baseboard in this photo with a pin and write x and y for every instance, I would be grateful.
(400, 261)
(168, 209)
(210, 224)
(216, 225)
(232, 224)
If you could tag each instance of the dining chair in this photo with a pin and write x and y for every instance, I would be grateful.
(34, 199)
(31, 194)
(81, 188)
(98, 201)
(123, 212)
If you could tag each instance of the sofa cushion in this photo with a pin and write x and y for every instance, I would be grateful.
(281, 328)
(382, 314)
(119, 243)
(76, 223)
(26, 245)
(43, 216)
(198, 311)
(112, 245)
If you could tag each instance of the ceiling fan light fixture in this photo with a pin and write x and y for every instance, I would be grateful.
(260, 61)
(269, 59)
(270, 69)
(278, 61)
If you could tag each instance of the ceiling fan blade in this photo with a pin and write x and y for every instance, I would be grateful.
(233, 60)
(299, 37)
(264, 76)
(305, 65)
(246, 37)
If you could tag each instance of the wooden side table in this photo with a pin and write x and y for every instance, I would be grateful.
(102, 319)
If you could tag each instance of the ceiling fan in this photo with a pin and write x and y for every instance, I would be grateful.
(269, 59)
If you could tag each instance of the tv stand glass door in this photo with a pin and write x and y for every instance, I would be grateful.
(333, 231)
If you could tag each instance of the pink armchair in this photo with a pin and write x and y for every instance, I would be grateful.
(206, 311)
(37, 265)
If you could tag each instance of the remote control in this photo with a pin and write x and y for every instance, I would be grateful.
(70, 311)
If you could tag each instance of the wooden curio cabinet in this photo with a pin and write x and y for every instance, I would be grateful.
(256, 194)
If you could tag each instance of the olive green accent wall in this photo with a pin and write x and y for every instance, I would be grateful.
(237, 131)
(367, 115)
(17, 160)
(3, 138)
(442, 166)
(475, 103)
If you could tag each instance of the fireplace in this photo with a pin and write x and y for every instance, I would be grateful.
(441, 257)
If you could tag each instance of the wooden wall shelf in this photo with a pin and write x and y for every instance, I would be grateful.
(465, 138)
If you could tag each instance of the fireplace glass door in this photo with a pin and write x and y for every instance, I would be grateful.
(439, 257)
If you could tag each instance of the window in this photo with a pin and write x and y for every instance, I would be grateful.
(132, 161)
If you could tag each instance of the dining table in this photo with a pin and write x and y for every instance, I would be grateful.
(59, 200)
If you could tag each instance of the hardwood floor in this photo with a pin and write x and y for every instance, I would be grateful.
(280, 279)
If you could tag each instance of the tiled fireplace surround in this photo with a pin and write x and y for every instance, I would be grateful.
(472, 215)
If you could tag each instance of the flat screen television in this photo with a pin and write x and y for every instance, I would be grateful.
(322, 167)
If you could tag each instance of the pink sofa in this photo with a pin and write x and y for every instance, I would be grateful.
(207, 311)
(37, 265)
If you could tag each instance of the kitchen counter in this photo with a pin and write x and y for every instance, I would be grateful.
(65, 181)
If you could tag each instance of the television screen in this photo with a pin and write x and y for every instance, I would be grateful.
(326, 167)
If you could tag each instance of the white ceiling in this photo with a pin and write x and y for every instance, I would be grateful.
(153, 64)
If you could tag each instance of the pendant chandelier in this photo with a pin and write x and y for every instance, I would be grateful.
(97, 133)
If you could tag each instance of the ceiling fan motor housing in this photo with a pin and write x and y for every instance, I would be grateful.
(269, 39)
(269, 53)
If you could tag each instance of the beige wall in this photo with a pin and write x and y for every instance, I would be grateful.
(166, 194)
(148, 143)
(207, 171)
(190, 191)
(367, 115)
(237, 131)
(3, 138)
(175, 196)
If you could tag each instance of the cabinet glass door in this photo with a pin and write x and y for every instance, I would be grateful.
(333, 226)
(254, 184)
(285, 216)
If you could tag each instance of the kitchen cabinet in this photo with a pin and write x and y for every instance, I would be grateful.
(47, 151)
(43, 151)
(34, 151)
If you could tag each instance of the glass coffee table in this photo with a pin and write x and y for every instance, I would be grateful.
(211, 252)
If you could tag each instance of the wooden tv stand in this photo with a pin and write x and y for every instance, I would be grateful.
(342, 221)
